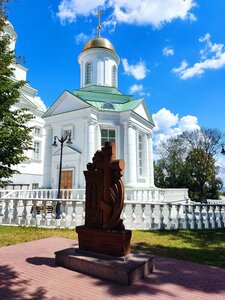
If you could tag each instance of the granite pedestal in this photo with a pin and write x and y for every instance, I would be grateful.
(124, 270)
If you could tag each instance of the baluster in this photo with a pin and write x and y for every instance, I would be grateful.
(63, 215)
(220, 217)
(169, 209)
(74, 215)
(163, 196)
(33, 221)
(142, 196)
(200, 219)
(161, 217)
(6, 219)
(177, 220)
(15, 212)
(193, 217)
(213, 221)
(186, 220)
(143, 216)
(148, 196)
(53, 221)
(131, 196)
(133, 216)
(23, 220)
(152, 217)
(207, 217)
(43, 213)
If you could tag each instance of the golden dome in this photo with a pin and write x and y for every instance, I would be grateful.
(99, 42)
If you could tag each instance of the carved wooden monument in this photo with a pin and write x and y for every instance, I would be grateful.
(104, 243)
(104, 231)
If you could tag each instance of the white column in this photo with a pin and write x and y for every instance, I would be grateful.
(48, 157)
(132, 156)
(145, 158)
(150, 162)
(98, 138)
(90, 140)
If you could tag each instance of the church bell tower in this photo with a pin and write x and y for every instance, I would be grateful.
(99, 62)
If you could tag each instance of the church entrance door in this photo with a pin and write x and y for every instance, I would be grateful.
(66, 181)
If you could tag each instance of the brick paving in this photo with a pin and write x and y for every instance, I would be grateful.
(28, 271)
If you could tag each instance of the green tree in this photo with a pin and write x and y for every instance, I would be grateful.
(169, 169)
(15, 135)
(201, 174)
(188, 160)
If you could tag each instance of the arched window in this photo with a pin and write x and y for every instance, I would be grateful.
(88, 73)
(108, 105)
(114, 77)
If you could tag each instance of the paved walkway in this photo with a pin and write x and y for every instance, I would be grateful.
(28, 271)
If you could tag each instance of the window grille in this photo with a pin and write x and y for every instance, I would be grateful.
(108, 135)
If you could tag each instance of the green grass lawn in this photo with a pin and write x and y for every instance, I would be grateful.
(205, 246)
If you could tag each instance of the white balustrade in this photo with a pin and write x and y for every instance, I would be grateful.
(40, 212)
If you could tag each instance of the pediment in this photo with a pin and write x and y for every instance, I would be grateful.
(65, 103)
(142, 111)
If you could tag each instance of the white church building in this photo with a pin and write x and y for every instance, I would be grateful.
(93, 114)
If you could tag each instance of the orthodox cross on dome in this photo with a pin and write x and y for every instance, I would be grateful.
(99, 27)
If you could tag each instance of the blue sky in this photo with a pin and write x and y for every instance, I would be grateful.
(172, 53)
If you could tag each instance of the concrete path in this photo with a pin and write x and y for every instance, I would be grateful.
(28, 271)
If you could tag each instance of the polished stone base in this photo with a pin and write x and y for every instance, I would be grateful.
(124, 270)
(109, 242)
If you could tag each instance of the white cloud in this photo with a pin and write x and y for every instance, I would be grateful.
(188, 123)
(164, 120)
(110, 25)
(138, 71)
(81, 38)
(143, 94)
(169, 125)
(212, 57)
(168, 51)
(135, 88)
(143, 12)
(68, 10)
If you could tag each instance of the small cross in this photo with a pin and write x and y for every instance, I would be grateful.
(99, 24)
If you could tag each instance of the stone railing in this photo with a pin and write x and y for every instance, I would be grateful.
(137, 195)
(215, 201)
(136, 214)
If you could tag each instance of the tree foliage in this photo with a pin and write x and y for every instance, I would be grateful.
(15, 135)
(188, 160)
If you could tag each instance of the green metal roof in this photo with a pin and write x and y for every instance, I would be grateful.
(102, 93)
(117, 106)
(99, 96)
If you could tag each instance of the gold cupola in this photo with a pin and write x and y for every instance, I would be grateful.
(99, 42)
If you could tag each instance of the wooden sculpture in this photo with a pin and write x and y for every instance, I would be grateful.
(104, 230)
